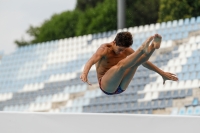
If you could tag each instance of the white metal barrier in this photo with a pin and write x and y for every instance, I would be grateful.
(20, 122)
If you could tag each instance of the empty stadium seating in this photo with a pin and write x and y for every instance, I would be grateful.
(44, 77)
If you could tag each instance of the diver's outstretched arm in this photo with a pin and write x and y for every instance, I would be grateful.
(165, 75)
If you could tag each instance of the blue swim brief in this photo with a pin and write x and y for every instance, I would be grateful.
(118, 91)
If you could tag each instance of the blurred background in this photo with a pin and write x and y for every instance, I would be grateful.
(44, 46)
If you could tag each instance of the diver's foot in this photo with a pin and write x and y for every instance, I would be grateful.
(157, 41)
(145, 46)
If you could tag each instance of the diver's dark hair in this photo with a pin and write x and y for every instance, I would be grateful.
(124, 39)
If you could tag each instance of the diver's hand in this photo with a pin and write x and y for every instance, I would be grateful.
(169, 76)
(84, 78)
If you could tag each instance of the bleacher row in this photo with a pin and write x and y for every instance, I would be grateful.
(45, 77)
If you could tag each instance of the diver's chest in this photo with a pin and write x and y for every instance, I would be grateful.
(112, 60)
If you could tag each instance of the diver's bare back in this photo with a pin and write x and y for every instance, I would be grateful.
(109, 60)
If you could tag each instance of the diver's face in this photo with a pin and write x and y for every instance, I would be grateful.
(119, 49)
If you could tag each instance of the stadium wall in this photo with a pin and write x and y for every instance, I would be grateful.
(16, 122)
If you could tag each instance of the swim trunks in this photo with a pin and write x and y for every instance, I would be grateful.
(118, 91)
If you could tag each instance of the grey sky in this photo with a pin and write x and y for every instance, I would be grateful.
(17, 15)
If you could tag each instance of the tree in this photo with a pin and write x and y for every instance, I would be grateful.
(99, 19)
(174, 9)
(85, 4)
(141, 12)
(91, 16)
(57, 27)
(22, 42)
